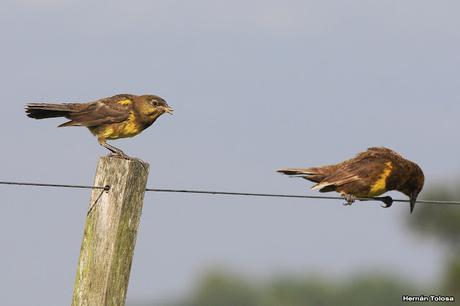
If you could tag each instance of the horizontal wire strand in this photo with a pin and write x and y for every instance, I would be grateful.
(228, 193)
(53, 185)
(274, 195)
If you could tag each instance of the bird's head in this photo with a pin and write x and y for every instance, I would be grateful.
(159, 104)
(413, 185)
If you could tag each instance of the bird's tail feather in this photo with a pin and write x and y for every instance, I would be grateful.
(312, 174)
(47, 110)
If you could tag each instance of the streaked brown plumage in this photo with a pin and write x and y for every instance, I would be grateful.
(368, 174)
(115, 117)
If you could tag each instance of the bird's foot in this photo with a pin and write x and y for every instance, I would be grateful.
(115, 152)
(349, 198)
(388, 201)
(121, 154)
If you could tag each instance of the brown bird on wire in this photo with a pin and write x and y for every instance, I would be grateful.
(115, 117)
(367, 175)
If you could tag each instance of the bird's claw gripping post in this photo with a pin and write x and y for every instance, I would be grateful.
(115, 152)
(120, 154)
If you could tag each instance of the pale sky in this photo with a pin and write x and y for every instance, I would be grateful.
(256, 85)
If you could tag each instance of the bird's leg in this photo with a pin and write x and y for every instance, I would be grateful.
(115, 152)
(349, 198)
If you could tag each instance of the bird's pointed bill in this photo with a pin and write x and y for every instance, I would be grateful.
(168, 110)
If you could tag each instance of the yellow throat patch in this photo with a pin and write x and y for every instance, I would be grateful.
(380, 185)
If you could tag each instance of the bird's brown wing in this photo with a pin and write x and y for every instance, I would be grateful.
(361, 171)
(104, 111)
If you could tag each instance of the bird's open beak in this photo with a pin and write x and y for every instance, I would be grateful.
(168, 110)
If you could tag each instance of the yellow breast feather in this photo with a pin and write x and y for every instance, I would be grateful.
(380, 185)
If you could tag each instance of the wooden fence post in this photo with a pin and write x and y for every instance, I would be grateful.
(110, 233)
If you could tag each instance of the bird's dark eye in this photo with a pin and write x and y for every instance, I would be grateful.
(154, 102)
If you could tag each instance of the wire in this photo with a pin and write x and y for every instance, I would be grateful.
(274, 195)
(387, 200)
(106, 189)
(54, 185)
(244, 194)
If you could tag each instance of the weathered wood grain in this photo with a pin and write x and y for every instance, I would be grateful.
(110, 233)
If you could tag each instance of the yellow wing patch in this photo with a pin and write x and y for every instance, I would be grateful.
(380, 185)
(125, 102)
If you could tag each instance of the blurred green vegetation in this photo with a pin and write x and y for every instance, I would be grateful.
(219, 288)
(440, 222)
(222, 288)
